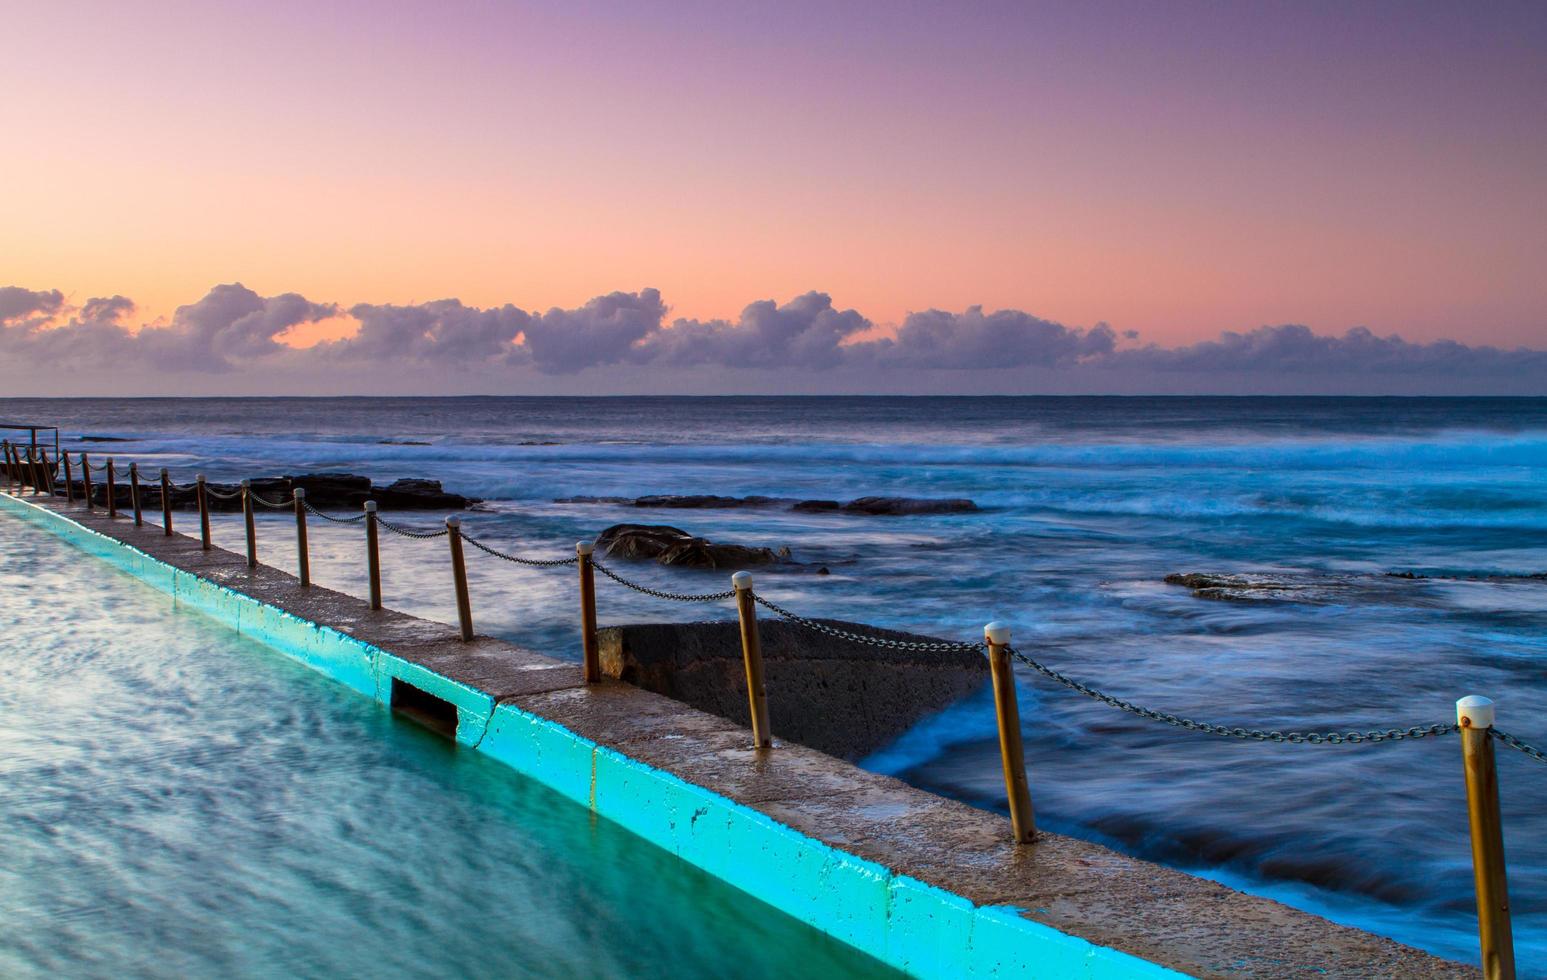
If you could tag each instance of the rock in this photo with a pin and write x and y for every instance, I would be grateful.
(674, 546)
(106, 439)
(896, 506)
(695, 501)
(324, 491)
(402, 442)
(816, 506)
(831, 694)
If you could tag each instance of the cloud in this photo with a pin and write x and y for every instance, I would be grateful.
(17, 303)
(805, 332)
(1295, 349)
(233, 328)
(973, 339)
(603, 331)
(441, 330)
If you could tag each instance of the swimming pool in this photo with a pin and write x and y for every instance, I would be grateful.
(181, 801)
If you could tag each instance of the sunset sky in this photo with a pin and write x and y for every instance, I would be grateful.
(1144, 177)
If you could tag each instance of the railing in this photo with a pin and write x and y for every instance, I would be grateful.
(29, 468)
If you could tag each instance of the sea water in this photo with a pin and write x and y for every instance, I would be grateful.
(1409, 537)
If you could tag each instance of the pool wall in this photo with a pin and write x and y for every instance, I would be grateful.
(914, 925)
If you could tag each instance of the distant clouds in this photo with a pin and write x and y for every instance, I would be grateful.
(233, 328)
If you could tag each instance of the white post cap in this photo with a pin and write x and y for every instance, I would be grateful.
(132, 464)
(199, 477)
(246, 484)
(584, 547)
(741, 580)
(299, 493)
(370, 506)
(997, 633)
(453, 520)
(1474, 711)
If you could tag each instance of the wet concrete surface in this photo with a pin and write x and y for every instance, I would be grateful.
(1165, 916)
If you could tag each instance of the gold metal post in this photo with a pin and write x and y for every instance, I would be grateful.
(1475, 715)
(112, 488)
(1023, 821)
(166, 503)
(590, 654)
(202, 493)
(252, 527)
(303, 556)
(86, 481)
(69, 481)
(752, 655)
(372, 554)
(134, 493)
(459, 576)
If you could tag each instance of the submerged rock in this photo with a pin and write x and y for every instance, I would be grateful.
(674, 546)
(896, 506)
(324, 491)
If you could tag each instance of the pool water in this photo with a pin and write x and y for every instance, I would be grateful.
(179, 801)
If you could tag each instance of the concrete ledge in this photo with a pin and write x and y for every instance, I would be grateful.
(923, 883)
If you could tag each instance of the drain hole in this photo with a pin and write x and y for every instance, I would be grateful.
(427, 709)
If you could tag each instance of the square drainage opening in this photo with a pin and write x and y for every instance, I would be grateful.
(428, 710)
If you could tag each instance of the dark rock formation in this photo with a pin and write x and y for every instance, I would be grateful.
(834, 695)
(896, 506)
(324, 491)
(697, 501)
(816, 506)
(674, 546)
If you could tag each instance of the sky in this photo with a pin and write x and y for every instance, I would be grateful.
(827, 197)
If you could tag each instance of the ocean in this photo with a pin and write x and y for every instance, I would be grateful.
(1391, 556)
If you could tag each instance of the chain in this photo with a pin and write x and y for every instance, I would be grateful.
(1225, 731)
(709, 597)
(1520, 746)
(211, 491)
(916, 646)
(408, 532)
(533, 562)
(270, 503)
(329, 517)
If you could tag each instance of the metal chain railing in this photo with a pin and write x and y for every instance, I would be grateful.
(1227, 731)
(211, 491)
(1519, 746)
(329, 517)
(517, 559)
(657, 593)
(257, 498)
(885, 643)
(408, 532)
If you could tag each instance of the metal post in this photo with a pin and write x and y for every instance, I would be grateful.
(166, 503)
(203, 494)
(252, 528)
(1475, 715)
(590, 655)
(1023, 821)
(69, 481)
(112, 489)
(459, 576)
(86, 481)
(134, 493)
(372, 554)
(752, 655)
(302, 555)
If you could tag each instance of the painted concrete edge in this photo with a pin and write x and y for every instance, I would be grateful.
(906, 923)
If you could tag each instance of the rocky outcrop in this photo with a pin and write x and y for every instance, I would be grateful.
(834, 695)
(871, 506)
(674, 546)
(325, 491)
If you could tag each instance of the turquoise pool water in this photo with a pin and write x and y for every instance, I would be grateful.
(181, 802)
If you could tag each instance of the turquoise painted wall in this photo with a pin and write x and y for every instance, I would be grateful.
(907, 923)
